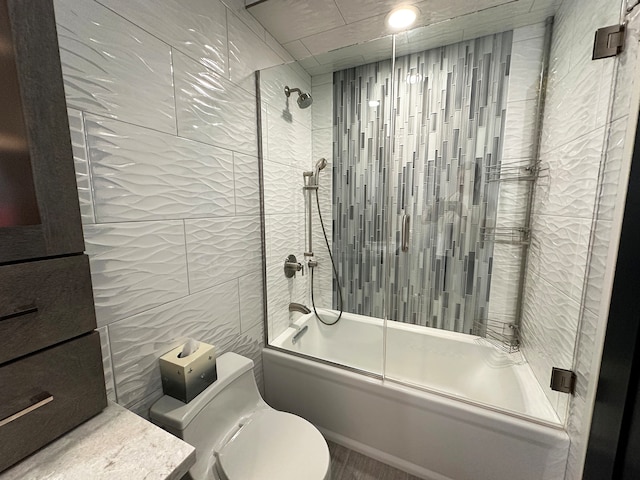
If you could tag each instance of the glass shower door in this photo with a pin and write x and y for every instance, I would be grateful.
(448, 126)
(361, 141)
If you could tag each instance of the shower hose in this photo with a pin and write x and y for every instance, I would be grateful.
(335, 271)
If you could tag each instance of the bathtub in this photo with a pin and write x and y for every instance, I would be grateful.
(476, 412)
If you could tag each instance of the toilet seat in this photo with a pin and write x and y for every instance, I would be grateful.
(274, 445)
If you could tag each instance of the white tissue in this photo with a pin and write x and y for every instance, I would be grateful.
(190, 347)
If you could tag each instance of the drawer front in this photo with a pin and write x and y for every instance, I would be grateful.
(46, 394)
(43, 303)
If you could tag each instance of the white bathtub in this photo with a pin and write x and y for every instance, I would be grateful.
(484, 416)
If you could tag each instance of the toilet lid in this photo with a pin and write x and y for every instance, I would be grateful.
(275, 445)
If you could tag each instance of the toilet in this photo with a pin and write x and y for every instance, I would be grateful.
(238, 436)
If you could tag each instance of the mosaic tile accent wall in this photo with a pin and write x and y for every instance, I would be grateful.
(449, 128)
(361, 143)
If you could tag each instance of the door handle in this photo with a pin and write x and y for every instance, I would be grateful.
(25, 311)
(406, 226)
(40, 401)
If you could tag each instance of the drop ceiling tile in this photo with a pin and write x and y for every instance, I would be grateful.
(375, 48)
(289, 20)
(344, 35)
(278, 48)
(432, 11)
(308, 63)
(297, 49)
(441, 22)
(354, 10)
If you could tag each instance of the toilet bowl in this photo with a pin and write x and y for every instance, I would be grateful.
(238, 436)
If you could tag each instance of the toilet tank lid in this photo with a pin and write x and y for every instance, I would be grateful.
(171, 412)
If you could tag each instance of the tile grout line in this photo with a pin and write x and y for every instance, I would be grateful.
(173, 84)
(168, 220)
(85, 138)
(113, 370)
(119, 120)
(239, 308)
(164, 304)
(131, 22)
(186, 255)
(233, 173)
(226, 23)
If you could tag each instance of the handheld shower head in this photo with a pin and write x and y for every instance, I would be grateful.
(320, 164)
(304, 99)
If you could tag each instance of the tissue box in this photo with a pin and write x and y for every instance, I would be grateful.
(184, 378)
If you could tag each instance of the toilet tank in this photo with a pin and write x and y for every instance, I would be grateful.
(214, 413)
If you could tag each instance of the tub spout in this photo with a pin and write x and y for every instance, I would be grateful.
(298, 307)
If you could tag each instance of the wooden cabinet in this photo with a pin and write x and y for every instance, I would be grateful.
(51, 376)
(43, 303)
(46, 394)
(39, 212)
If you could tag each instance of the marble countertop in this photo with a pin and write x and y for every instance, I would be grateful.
(114, 445)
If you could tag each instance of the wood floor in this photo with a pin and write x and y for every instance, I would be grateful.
(349, 465)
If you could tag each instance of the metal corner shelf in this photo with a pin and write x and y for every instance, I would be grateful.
(504, 335)
(506, 235)
(521, 171)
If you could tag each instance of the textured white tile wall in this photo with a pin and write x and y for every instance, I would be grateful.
(161, 99)
(517, 149)
(212, 109)
(286, 140)
(564, 287)
(322, 147)
(81, 162)
(571, 152)
(108, 62)
(141, 174)
(605, 232)
(211, 316)
(135, 266)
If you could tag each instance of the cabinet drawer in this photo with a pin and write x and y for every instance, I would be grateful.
(46, 394)
(43, 303)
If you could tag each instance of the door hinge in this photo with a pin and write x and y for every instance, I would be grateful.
(609, 42)
(563, 380)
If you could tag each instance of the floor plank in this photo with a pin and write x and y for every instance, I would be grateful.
(349, 465)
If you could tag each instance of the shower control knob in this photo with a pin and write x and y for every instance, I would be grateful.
(291, 266)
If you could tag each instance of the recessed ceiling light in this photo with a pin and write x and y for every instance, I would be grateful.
(402, 17)
(374, 103)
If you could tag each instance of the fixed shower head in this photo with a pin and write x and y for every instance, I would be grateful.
(304, 99)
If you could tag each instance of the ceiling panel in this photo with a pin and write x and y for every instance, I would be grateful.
(361, 35)
(289, 20)
(354, 10)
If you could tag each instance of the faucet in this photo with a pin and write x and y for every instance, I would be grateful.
(298, 307)
(300, 330)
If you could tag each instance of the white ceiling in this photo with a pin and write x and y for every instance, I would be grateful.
(325, 35)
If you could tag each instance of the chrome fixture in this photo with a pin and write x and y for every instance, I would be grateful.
(406, 231)
(291, 266)
(304, 99)
(609, 42)
(298, 307)
(299, 333)
(320, 164)
(563, 380)
(311, 183)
